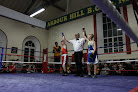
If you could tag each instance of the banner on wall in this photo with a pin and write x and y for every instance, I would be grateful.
(82, 13)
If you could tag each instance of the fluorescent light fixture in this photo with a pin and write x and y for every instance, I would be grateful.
(119, 29)
(37, 12)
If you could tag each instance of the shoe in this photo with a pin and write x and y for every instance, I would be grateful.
(65, 74)
(88, 76)
(77, 75)
(81, 75)
(94, 76)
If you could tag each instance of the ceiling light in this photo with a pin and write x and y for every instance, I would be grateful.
(37, 12)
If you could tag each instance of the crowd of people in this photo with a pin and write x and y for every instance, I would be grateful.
(117, 69)
(20, 68)
(8, 68)
(103, 69)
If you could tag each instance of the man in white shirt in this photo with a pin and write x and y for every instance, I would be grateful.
(78, 45)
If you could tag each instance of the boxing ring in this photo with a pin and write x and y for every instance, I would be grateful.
(45, 63)
(44, 79)
(57, 83)
(47, 80)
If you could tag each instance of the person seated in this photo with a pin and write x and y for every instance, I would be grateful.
(98, 70)
(72, 69)
(105, 70)
(121, 68)
(38, 66)
(68, 69)
(115, 67)
(30, 68)
(12, 68)
(4, 68)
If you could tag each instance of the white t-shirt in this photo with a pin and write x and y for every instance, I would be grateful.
(78, 45)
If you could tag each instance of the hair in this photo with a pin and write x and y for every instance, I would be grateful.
(56, 42)
(78, 34)
(92, 36)
(62, 41)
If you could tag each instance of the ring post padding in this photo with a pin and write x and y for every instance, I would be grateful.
(1, 57)
(45, 60)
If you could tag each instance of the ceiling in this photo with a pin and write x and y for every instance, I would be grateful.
(54, 8)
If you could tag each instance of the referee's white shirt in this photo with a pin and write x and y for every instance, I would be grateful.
(78, 45)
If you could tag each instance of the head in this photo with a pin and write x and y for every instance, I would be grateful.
(120, 66)
(62, 42)
(90, 36)
(105, 65)
(115, 66)
(56, 43)
(3, 63)
(77, 35)
(13, 63)
(97, 65)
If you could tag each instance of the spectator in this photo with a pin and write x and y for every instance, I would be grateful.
(105, 70)
(31, 68)
(121, 68)
(4, 68)
(111, 65)
(115, 67)
(12, 68)
(56, 51)
(38, 66)
(135, 73)
(98, 70)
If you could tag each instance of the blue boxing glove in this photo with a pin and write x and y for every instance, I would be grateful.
(62, 34)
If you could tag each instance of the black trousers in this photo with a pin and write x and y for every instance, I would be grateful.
(57, 66)
(78, 60)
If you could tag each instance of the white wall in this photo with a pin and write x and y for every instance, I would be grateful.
(16, 33)
(132, 22)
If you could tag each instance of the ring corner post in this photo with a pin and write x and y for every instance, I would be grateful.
(1, 57)
(45, 60)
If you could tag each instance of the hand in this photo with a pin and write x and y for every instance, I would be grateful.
(63, 37)
(84, 30)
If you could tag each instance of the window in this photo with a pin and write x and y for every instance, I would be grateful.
(29, 51)
(31, 47)
(112, 35)
(29, 43)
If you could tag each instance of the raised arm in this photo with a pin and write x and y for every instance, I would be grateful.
(84, 35)
(66, 39)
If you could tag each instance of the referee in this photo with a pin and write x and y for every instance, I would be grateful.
(78, 45)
